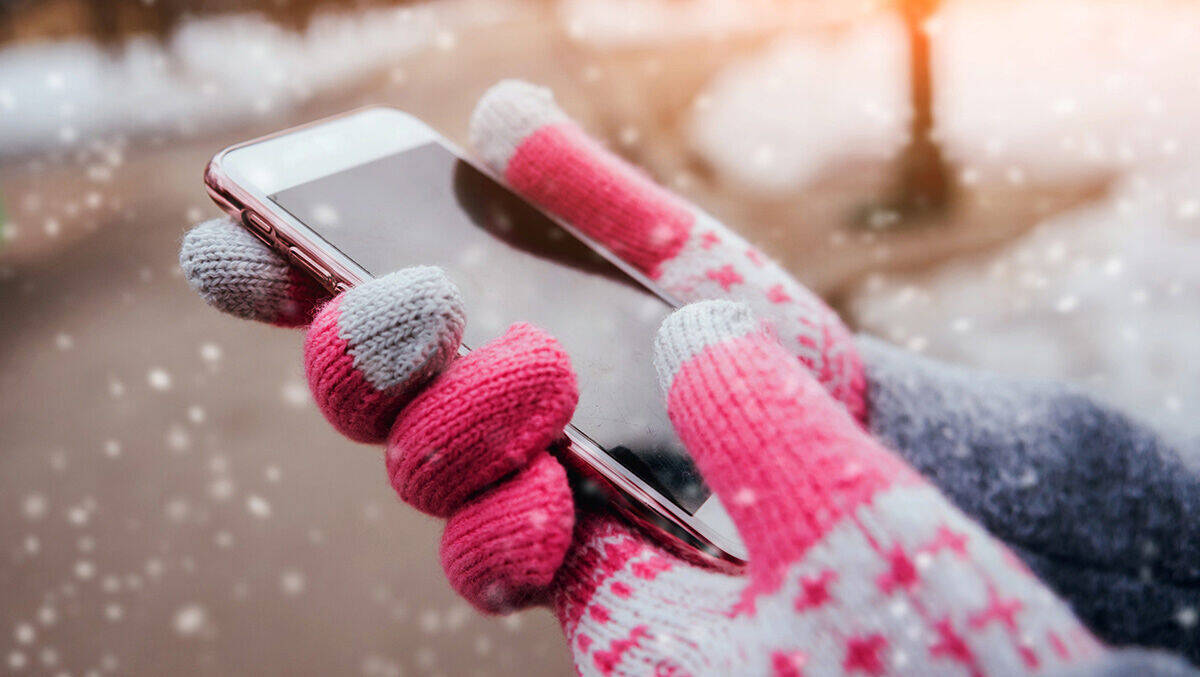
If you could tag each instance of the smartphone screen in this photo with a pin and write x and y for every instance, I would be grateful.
(425, 206)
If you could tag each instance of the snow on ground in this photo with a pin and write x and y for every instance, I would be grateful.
(1026, 91)
(777, 119)
(1033, 90)
(653, 23)
(1107, 295)
(211, 72)
(1057, 90)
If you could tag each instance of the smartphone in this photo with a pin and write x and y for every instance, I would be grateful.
(375, 190)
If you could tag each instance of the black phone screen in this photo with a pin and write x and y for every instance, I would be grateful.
(425, 206)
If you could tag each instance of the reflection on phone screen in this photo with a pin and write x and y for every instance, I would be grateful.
(425, 206)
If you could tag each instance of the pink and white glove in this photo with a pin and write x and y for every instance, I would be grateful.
(857, 565)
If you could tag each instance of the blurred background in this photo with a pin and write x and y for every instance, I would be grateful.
(1013, 184)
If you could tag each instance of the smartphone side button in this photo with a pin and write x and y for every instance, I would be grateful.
(261, 228)
(311, 267)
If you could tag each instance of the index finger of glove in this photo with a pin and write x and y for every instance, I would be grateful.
(786, 459)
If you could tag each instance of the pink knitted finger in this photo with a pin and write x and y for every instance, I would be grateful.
(503, 548)
(487, 415)
(521, 133)
(787, 462)
(838, 528)
(370, 348)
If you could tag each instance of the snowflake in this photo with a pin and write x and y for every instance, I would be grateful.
(178, 439)
(34, 506)
(221, 489)
(78, 515)
(258, 506)
(177, 509)
(16, 660)
(745, 497)
(190, 620)
(1067, 303)
(1186, 617)
(49, 657)
(158, 378)
(291, 582)
(430, 621)
(47, 615)
(210, 353)
(295, 394)
(445, 40)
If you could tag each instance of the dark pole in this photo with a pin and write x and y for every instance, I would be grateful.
(924, 185)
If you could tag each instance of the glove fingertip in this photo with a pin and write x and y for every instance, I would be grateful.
(506, 115)
(236, 273)
(488, 415)
(688, 331)
(502, 550)
(369, 348)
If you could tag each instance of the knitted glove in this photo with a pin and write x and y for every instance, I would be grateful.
(361, 384)
(1095, 502)
(857, 565)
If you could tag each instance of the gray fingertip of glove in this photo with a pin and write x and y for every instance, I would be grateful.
(236, 273)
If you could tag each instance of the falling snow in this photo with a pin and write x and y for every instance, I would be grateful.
(291, 582)
(210, 352)
(258, 506)
(159, 379)
(24, 633)
(202, 463)
(295, 394)
(190, 620)
(34, 506)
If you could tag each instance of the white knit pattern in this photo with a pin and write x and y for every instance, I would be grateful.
(682, 620)
(716, 263)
